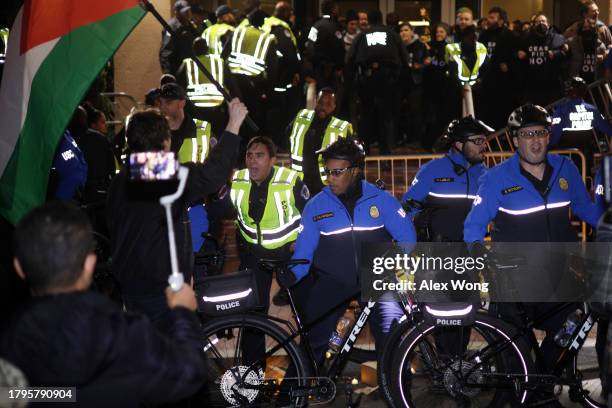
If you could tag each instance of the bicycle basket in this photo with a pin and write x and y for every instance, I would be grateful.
(229, 293)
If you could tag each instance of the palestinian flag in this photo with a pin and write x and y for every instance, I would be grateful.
(55, 50)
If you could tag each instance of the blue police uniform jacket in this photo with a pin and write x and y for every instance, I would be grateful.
(331, 239)
(198, 218)
(599, 193)
(449, 181)
(71, 168)
(520, 213)
(575, 115)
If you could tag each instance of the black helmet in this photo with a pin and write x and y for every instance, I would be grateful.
(576, 87)
(345, 149)
(528, 115)
(460, 129)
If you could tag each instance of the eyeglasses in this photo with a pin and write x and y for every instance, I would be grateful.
(477, 140)
(530, 134)
(336, 172)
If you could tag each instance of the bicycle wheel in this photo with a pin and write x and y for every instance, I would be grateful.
(481, 373)
(590, 391)
(241, 374)
(387, 354)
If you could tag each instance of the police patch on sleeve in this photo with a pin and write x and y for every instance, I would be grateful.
(563, 184)
(304, 192)
(374, 213)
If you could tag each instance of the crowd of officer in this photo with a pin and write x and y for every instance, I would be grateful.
(370, 85)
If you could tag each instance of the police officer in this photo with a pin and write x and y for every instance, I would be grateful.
(254, 63)
(574, 120)
(529, 197)
(450, 183)
(324, 49)
(334, 225)
(175, 48)
(465, 59)
(285, 99)
(215, 35)
(313, 130)
(69, 171)
(375, 59)
(207, 99)
(268, 200)
(191, 138)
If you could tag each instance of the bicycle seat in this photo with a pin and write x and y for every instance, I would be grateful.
(274, 264)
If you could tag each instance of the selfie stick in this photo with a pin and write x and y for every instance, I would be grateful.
(176, 279)
(150, 8)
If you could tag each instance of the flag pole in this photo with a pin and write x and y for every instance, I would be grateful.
(151, 9)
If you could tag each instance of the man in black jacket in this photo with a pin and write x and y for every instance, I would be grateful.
(324, 49)
(175, 48)
(376, 58)
(138, 234)
(66, 336)
(497, 96)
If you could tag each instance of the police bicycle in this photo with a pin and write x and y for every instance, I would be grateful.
(287, 374)
(494, 367)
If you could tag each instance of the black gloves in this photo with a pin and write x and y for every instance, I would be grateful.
(285, 278)
(478, 250)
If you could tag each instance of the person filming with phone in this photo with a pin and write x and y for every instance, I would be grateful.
(137, 223)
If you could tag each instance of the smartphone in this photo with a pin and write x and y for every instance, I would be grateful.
(153, 166)
(152, 175)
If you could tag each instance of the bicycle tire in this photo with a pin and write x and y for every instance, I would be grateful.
(589, 396)
(394, 338)
(401, 368)
(221, 332)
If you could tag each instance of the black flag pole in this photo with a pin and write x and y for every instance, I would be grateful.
(151, 9)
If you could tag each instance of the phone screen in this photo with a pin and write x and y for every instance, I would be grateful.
(153, 166)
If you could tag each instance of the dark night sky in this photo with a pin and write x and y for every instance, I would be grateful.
(8, 11)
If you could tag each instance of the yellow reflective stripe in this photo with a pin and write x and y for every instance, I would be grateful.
(279, 174)
(289, 205)
(260, 41)
(279, 209)
(264, 51)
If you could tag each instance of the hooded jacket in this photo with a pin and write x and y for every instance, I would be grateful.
(114, 359)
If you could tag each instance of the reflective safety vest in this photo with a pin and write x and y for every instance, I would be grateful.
(281, 219)
(199, 88)
(249, 49)
(4, 35)
(196, 149)
(271, 22)
(337, 128)
(453, 53)
(213, 35)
